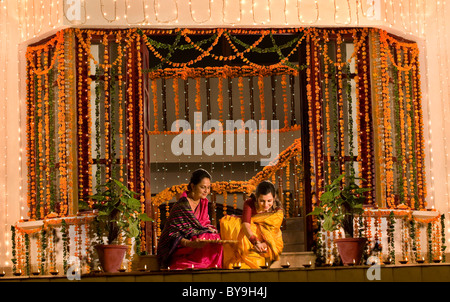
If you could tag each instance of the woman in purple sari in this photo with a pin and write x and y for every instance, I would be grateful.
(183, 242)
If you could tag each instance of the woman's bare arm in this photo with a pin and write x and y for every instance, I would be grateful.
(260, 247)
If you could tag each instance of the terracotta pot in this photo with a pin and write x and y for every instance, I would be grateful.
(350, 249)
(111, 256)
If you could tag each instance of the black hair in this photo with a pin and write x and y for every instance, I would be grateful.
(265, 187)
(197, 176)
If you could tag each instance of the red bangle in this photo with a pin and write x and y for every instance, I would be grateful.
(252, 239)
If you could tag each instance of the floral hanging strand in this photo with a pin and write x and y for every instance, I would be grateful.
(443, 241)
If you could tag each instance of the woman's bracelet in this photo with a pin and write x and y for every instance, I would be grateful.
(253, 239)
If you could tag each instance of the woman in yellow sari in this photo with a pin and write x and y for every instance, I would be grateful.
(258, 233)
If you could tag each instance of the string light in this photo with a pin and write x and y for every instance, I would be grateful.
(226, 7)
(3, 99)
(444, 82)
(33, 25)
(364, 13)
(128, 6)
(430, 133)
(41, 6)
(104, 14)
(300, 14)
(192, 11)
(58, 20)
(157, 7)
(267, 9)
(349, 18)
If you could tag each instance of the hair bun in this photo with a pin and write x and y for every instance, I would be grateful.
(197, 177)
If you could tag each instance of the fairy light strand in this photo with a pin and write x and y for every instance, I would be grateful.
(23, 11)
(443, 69)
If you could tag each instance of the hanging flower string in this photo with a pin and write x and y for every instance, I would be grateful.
(44, 61)
(240, 49)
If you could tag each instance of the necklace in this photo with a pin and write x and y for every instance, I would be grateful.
(193, 204)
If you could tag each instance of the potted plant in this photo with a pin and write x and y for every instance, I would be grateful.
(341, 201)
(118, 212)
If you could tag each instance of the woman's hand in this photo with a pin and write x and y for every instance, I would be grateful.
(261, 247)
(213, 230)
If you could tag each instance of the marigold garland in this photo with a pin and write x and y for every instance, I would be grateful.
(40, 146)
(241, 96)
(121, 99)
(46, 109)
(285, 104)
(261, 97)
(340, 66)
(38, 120)
(220, 98)
(388, 148)
(367, 118)
(107, 103)
(176, 101)
(327, 125)
(141, 179)
(288, 192)
(198, 100)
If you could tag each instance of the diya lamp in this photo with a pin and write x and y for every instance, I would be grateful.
(287, 265)
(36, 272)
(18, 273)
(353, 263)
(54, 273)
(437, 260)
(421, 260)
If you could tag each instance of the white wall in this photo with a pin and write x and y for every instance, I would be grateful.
(23, 22)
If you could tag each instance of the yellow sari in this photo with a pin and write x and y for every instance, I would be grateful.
(266, 227)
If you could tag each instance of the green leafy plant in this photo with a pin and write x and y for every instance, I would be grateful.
(443, 246)
(118, 210)
(65, 239)
(390, 237)
(13, 248)
(340, 203)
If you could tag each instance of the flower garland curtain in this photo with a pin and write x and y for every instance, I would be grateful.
(386, 81)
(47, 135)
(341, 120)
(110, 134)
(398, 109)
(245, 76)
(101, 105)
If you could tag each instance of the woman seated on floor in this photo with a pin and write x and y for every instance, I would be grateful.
(258, 234)
(183, 242)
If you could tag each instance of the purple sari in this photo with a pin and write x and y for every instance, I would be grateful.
(184, 223)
